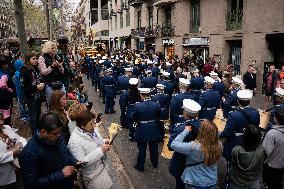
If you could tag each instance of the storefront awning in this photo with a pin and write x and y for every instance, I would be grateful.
(275, 41)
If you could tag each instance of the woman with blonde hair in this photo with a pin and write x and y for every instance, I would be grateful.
(51, 67)
(57, 105)
(202, 156)
(73, 112)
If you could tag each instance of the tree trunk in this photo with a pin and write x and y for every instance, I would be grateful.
(20, 20)
(46, 9)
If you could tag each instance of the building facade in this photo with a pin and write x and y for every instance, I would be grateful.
(120, 24)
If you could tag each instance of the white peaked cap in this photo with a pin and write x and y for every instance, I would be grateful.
(179, 69)
(191, 106)
(168, 64)
(196, 71)
(209, 80)
(99, 55)
(109, 70)
(144, 90)
(166, 74)
(128, 69)
(160, 86)
(104, 58)
(149, 61)
(148, 71)
(212, 73)
(112, 56)
(101, 61)
(279, 92)
(245, 94)
(133, 81)
(183, 81)
(237, 81)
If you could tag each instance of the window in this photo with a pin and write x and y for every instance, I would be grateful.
(127, 18)
(234, 15)
(151, 17)
(121, 20)
(115, 23)
(168, 14)
(195, 15)
(139, 19)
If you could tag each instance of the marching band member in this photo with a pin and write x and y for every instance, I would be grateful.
(209, 100)
(131, 97)
(196, 84)
(278, 104)
(147, 115)
(149, 81)
(218, 85)
(123, 85)
(237, 121)
(164, 101)
(176, 113)
(178, 161)
(169, 86)
(230, 103)
(109, 85)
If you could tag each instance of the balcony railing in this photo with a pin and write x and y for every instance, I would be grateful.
(112, 12)
(234, 19)
(149, 31)
(167, 29)
(135, 3)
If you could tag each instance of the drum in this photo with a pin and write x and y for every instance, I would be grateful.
(220, 123)
(264, 119)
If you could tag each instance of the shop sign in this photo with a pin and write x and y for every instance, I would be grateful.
(168, 42)
(194, 41)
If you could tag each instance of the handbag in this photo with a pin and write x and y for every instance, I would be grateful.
(57, 85)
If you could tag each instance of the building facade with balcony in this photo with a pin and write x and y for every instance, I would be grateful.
(120, 24)
(239, 32)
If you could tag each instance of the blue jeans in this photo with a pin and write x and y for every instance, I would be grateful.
(22, 108)
(48, 92)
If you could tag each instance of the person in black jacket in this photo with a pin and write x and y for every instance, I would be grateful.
(45, 161)
(249, 79)
(33, 89)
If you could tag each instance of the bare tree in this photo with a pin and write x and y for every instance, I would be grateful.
(20, 20)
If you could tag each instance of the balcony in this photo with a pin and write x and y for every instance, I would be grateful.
(135, 3)
(167, 29)
(112, 12)
(234, 19)
(146, 32)
(162, 3)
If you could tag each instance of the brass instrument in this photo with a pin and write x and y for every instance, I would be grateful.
(166, 153)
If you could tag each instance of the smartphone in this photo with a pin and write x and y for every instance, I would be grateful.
(110, 143)
(80, 165)
(99, 117)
